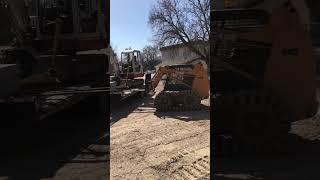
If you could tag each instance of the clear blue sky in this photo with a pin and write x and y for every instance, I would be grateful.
(129, 24)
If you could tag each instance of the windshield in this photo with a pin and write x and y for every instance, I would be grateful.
(126, 57)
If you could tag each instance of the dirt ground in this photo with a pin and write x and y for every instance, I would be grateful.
(299, 160)
(71, 146)
(150, 145)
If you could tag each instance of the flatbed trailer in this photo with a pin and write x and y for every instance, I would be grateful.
(125, 94)
(122, 94)
(39, 106)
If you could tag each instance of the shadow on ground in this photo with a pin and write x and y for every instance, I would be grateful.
(37, 151)
(119, 110)
(299, 160)
(137, 104)
(202, 114)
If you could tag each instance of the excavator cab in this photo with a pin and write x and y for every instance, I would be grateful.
(131, 64)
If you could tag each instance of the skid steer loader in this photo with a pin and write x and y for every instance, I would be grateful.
(185, 86)
(264, 75)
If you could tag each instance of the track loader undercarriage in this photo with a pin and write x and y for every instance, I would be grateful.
(186, 100)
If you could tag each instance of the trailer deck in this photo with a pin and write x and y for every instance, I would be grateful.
(39, 106)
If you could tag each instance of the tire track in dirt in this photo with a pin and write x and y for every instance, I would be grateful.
(198, 169)
(161, 135)
(186, 165)
(144, 145)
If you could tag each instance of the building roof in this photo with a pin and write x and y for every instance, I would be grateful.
(182, 45)
(130, 50)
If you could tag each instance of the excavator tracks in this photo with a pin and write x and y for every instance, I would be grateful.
(177, 101)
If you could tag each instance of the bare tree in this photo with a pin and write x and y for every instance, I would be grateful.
(151, 56)
(182, 21)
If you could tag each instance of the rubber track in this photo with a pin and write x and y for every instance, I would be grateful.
(177, 94)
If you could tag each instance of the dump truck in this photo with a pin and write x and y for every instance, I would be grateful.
(184, 88)
(57, 57)
(263, 75)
